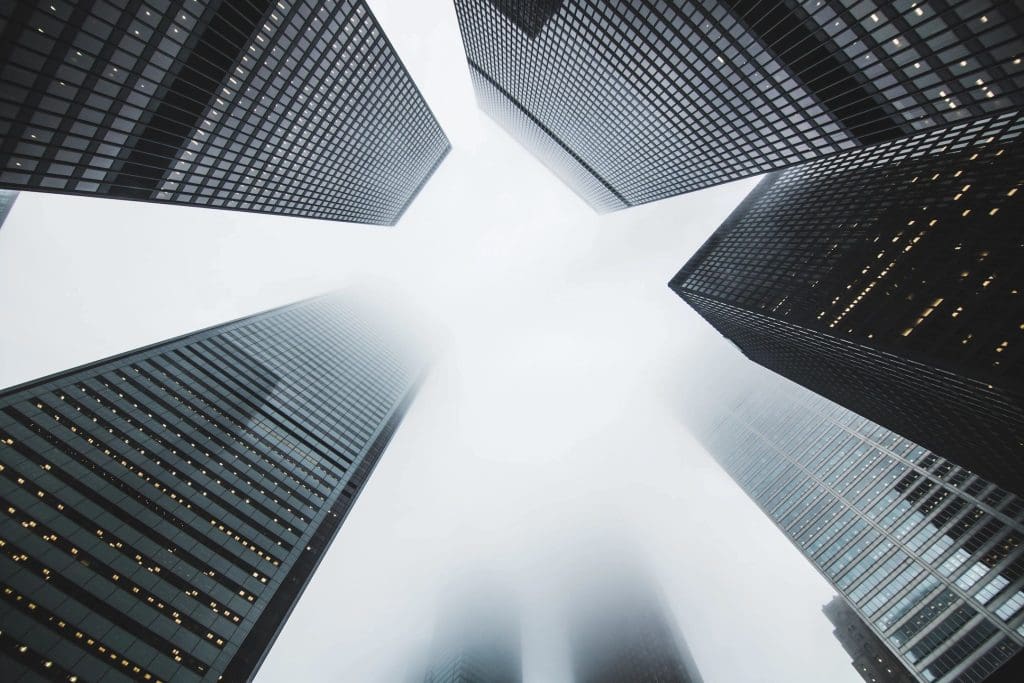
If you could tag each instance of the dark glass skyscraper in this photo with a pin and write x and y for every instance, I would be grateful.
(890, 280)
(295, 107)
(637, 100)
(928, 554)
(164, 509)
(871, 658)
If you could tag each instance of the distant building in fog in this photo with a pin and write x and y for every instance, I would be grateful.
(478, 640)
(928, 554)
(620, 630)
(871, 658)
(164, 509)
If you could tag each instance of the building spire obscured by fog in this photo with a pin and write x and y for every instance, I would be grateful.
(926, 553)
(478, 637)
(621, 628)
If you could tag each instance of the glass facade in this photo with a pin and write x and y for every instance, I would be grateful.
(871, 658)
(7, 198)
(164, 509)
(478, 638)
(631, 101)
(927, 554)
(889, 279)
(294, 107)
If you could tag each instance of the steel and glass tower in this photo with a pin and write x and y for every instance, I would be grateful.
(890, 280)
(872, 660)
(926, 553)
(294, 107)
(478, 659)
(637, 100)
(620, 630)
(163, 510)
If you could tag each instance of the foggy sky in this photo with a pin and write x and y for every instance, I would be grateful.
(549, 414)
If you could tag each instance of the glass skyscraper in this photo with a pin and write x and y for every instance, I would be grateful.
(871, 658)
(620, 630)
(7, 198)
(891, 280)
(477, 661)
(478, 638)
(294, 107)
(164, 509)
(631, 101)
(927, 554)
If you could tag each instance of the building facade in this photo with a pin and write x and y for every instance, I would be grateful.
(7, 198)
(476, 664)
(293, 107)
(630, 101)
(872, 660)
(890, 280)
(928, 554)
(620, 632)
(478, 637)
(164, 509)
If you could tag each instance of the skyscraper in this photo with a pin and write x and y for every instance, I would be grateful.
(294, 107)
(637, 100)
(164, 509)
(871, 658)
(479, 659)
(890, 280)
(6, 202)
(478, 638)
(926, 553)
(620, 631)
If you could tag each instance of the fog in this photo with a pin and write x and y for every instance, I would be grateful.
(551, 415)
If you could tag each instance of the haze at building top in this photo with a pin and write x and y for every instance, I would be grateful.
(523, 263)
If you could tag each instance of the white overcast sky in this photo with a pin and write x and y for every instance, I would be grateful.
(547, 420)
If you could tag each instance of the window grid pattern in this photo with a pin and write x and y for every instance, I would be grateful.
(161, 511)
(866, 506)
(658, 98)
(888, 278)
(294, 107)
(561, 160)
(870, 657)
